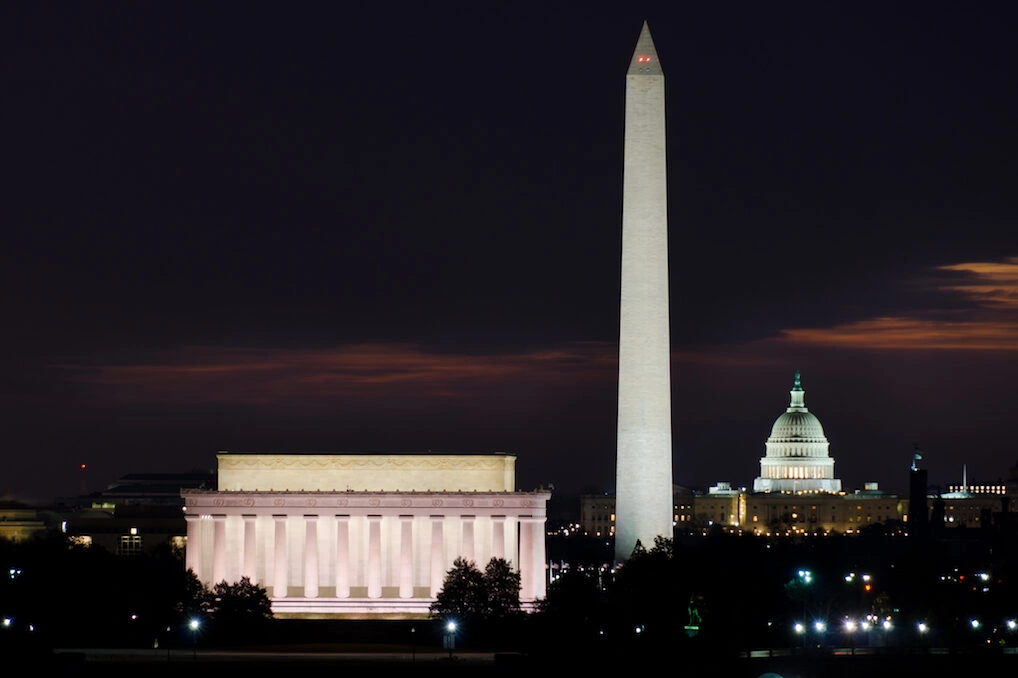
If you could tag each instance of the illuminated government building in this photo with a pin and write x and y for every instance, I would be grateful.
(797, 492)
(798, 454)
(373, 535)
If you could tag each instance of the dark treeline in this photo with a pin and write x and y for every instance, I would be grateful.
(699, 595)
(745, 591)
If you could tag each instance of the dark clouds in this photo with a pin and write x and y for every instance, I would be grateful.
(209, 208)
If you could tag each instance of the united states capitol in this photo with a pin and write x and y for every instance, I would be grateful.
(797, 492)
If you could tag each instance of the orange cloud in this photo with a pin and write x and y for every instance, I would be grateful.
(995, 284)
(200, 374)
(988, 325)
(905, 333)
(726, 357)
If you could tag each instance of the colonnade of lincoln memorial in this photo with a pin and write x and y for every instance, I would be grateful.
(345, 553)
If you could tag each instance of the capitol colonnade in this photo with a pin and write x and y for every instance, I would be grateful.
(367, 553)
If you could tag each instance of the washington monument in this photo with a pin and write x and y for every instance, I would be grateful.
(643, 465)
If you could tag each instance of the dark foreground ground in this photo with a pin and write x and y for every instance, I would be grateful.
(828, 664)
(417, 648)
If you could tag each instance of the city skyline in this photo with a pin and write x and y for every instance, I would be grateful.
(346, 230)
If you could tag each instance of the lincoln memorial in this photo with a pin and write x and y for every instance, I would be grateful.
(362, 535)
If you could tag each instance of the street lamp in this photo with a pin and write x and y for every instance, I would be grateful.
(450, 636)
(803, 579)
(194, 626)
(850, 627)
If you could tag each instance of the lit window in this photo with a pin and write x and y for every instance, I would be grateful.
(130, 545)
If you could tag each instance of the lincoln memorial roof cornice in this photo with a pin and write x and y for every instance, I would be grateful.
(458, 502)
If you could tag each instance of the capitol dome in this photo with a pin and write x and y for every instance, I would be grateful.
(797, 458)
(797, 426)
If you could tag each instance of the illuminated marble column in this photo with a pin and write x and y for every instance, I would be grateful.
(526, 567)
(374, 556)
(343, 556)
(437, 560)
(467, 549)
(539, 558)
(192, 553)
(218, 548)
(498, 537)
(643, 474)
(406, 557)
(280, 577)
(250, 558)
(310, 556)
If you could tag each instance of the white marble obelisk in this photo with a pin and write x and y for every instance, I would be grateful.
(643, 474)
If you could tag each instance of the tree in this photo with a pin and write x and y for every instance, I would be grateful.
(463, 592)
(241, 603)
(469, 594)
(502, 586)
(195, 598)
(644, 587)
(241, 610)
(572, 610)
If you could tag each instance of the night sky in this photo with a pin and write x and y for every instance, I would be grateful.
(300, 227)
